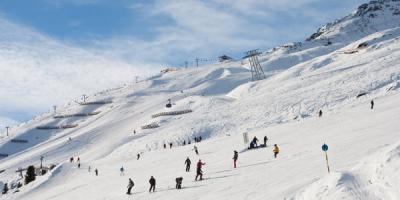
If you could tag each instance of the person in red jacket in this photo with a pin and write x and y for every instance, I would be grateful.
(199, 172)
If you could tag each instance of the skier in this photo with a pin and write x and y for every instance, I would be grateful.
(188, 162)
(255, 140)
(71, 159)
(200, 139)
(178, 183)
(89, 168)
(235, 157)
(170, 145)
(196, 150)
(121, 170)
(96, 172)
(165, 146)
(195, 139)
(138, 156)
(189, 141)
(320, 113)
(134, 131)
(265, 141)
(372, 104)
(184, 142)
(130, 186)
(199, 172)
(79, 160)
(79, 165)
(152, 182)
(275, 150)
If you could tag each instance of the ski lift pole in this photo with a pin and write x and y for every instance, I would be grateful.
(325, 149)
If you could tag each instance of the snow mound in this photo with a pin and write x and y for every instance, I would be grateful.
(373, 179)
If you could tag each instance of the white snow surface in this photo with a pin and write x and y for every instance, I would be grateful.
(364, 144)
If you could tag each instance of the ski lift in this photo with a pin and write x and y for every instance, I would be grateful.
(169, 105)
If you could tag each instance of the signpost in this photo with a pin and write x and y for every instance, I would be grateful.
(245, 138)
(325, 149)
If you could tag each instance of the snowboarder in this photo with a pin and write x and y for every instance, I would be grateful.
(199, 172)
(121, 170)
(138, 156)
(178, 183)
(71, 159)
(152, 182)
(130, 186)
(170, 145)
(96, 172)
(320, 113)
(372, 104)
(265, 141)
(196, 150)
(188, 162)
(275, 150)
(235, 157)
(255, 140)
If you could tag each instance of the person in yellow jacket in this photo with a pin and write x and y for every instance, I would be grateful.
(275, 150)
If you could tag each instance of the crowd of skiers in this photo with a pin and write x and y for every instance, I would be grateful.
(196, 139)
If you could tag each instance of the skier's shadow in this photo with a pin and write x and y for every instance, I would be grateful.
(218, 177)
(255, 164)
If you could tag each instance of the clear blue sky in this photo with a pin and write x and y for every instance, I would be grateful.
(176, 30)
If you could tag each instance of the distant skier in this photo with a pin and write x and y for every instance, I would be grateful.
(188, 162)
(71, 159)
(152, 182)
(372, 104)
(275, 150)
(195, 139)
(178, 182)
(320, 113)
(130, 186)
(200, 139)
(184, 142)
(189, 141)
(138, 156)
(122, 171)
(235, 157)
(255, 140)
(265, 141)
(170, 145)
(196, 150)
(89, 168)
(96, 172)
(165, 146)
(79, 165)
(78, 160)
(199, 172)
(134, 131)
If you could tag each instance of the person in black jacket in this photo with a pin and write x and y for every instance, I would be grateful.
(188, 162)
(152, 182)
(178, 183)
(372, 104)
(235, 157)
(130, 186)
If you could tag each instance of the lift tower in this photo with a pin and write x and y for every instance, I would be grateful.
(257, 73)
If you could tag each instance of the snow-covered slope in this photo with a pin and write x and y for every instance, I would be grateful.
(363, 142)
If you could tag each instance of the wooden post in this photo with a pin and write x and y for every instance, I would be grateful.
(327, 163)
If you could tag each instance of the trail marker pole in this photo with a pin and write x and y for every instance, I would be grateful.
(41, 162)
(245, 138)
(325, 149)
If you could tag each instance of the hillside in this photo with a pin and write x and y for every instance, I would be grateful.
(340, 79)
